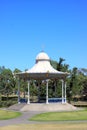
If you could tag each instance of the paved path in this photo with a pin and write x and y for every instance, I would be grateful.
(23, 119)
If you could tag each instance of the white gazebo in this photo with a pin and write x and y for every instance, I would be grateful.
(42, 70)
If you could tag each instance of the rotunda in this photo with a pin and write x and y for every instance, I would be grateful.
(42, 70)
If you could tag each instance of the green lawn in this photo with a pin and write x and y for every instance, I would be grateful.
(5, 115)
(61, 116)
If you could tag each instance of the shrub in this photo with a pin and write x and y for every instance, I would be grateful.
(7, 103)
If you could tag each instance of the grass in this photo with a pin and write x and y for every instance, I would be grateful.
(61, 116)
(69, 126)
(51, 116)
(5, 115)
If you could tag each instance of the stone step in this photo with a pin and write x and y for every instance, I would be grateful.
(16, 107)
(43, 107)
(48, 107)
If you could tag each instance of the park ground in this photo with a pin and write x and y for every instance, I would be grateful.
(23, 123)
(53, 126)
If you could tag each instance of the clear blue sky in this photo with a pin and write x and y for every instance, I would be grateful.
(58, 26)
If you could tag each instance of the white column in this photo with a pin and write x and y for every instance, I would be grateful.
(47, 92)
(28, 92)
(18, 91)
(62, 91)
(65, 92)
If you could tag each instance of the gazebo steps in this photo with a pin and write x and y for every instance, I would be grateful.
(43, 107)
(16, 107)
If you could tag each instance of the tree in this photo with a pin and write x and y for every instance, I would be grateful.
(85, 87)
(60, 64)
(55, 87)
(23, 83)
(75, 84)
(7, 82)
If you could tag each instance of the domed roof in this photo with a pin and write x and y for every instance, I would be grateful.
(43, 69)
(42, 56)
